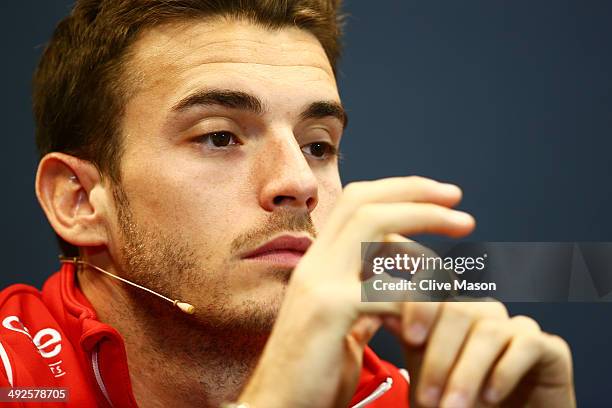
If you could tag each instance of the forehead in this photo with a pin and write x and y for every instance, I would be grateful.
(174, 59)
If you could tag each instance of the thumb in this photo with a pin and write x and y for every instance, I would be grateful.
(362, 331)
(413, 356)
(364, 328)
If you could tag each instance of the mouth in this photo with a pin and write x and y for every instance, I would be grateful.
(285, 250)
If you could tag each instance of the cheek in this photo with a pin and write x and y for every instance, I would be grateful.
(192, 201)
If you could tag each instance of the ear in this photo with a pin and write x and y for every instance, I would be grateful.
(72, 195)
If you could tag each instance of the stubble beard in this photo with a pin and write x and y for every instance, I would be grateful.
(216, 349)
(169, 264)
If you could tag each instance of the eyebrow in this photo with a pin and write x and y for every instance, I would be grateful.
(221, 97)
(244, 101)
(322, 109)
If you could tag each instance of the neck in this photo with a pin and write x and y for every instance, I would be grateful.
(171, 356)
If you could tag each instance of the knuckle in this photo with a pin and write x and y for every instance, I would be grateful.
(526, 322)
(531, 341)
(354, 191)
(562, 345)
(499, 309)
(415, 181)
(364, 214)
(493, 309)
(413, 178)
(460, 310)
(417, 310)
(490, 328)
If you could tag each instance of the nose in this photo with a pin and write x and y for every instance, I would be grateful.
(287, 180)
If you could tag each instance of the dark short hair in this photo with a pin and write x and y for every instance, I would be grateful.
(80, 87)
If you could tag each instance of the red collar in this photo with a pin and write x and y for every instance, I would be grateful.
(98, 341)
(100, 346)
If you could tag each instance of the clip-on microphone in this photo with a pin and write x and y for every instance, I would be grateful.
(185, 307)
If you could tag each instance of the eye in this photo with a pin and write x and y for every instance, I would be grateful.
(320, 150)
(218, 139)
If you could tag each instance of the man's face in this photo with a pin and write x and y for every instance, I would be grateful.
(229, 139)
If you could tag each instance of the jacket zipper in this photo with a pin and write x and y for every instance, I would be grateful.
(377, 393)
(96, 369)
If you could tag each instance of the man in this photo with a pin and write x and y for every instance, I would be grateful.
(190, 147)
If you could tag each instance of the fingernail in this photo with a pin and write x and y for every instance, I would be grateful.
(461, 217)
(430, 396)
(455, 400)
(491, 395)
(450, 187)
(416, 333)
(374, 324)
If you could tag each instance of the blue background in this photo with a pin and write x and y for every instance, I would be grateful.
(512, 100)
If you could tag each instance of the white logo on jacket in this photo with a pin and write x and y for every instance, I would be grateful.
(48, 341)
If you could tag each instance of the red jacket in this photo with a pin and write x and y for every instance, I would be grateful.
(51, 338)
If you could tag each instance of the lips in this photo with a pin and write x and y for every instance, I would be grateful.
(285, 250)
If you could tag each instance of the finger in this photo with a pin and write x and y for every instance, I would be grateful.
(417, 321)
(390, 190)
(373, 221)
(524, 353)
(364, 329)
(419, 317)
(396, 238)
(486, 342)
(358, 337)
(447, 337)
(390, 246)
(445, 342)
